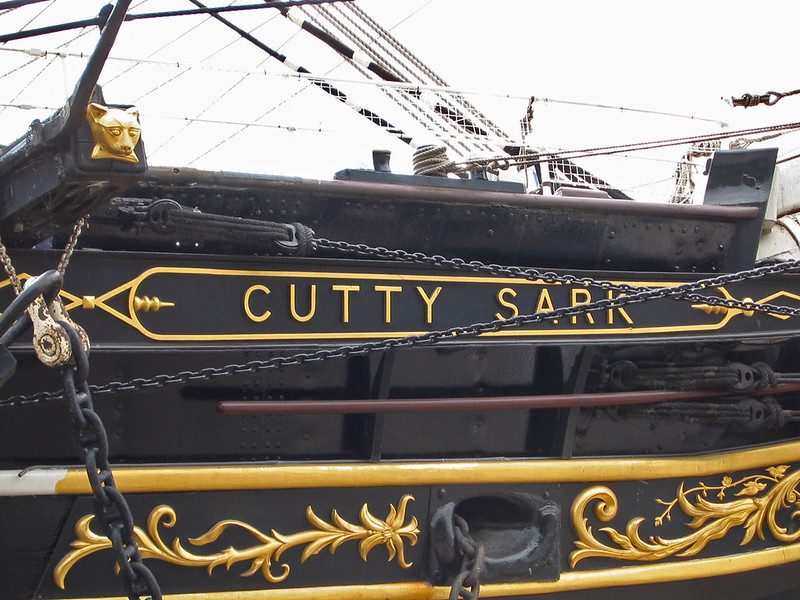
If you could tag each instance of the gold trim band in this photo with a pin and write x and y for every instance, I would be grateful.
(395, 591)
(572, 581)
(195, 478)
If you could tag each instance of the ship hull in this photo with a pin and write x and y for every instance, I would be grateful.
(705, 524)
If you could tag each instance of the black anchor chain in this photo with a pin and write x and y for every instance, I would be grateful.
(111, 510)
(467, 584)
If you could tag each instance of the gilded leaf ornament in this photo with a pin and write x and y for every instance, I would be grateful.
(753, 503)
(372, 532)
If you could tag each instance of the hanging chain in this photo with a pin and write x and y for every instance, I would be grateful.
(467, 584)
(69, 248)
(8, 267)
(112, 513)
(536, 275)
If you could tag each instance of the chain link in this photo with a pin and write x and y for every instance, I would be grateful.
(632, 295)
(467, 584)
(8, 267)
(112, 513)
(69, 248)
(537, 275)
(63, 262)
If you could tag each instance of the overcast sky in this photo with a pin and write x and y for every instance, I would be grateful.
(680, 56)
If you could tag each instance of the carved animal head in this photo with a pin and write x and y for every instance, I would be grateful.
(115, 132)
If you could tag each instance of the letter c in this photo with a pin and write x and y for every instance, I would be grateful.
(254, 317)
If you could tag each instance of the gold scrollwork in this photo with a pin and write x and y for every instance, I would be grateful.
(755, 504)
(372, 532)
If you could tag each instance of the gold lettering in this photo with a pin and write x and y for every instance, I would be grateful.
(545, 303)
(622, 312)
(429, 300)
(346, 289)
(312, 304)
(248, 311)
(587, 298)
(501, 300)
(387, 290)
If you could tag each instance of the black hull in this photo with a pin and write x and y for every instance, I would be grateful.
(273, 513)
(573, 498)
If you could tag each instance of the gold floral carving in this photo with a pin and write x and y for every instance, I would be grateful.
(372, 532)
(752, 503)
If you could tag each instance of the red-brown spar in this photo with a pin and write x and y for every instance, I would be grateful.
(425, 405)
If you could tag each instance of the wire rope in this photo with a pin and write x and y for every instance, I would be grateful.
(218, 97)
(442, 109)
(406, 102)
(275, 107)
(163, 46)
(39, 14)
(417, 62)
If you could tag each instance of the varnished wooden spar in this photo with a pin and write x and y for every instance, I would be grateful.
(286, 407)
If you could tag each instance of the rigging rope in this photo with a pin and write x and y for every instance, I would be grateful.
(30, 82)
(684, 182)
(39, 14)
(768, 98)
(291, 97)
(10, 5)
(329, 89)
(160, 48)
(220, 96)
(401, 99)
(136, 17)
(150, 115)
(490, 94)
(787, 159)
(204, 59)
(440, 107)
(504, 162)
(432, 160)
(382, 33)
(741, 143)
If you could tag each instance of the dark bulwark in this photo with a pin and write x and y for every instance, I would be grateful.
(465, 219)
(694, 494)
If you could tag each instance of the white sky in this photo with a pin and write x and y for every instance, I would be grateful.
(679, 56)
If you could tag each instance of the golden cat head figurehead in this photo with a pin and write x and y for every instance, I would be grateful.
(116, 132)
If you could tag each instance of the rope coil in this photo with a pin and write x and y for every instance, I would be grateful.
(433, 161)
